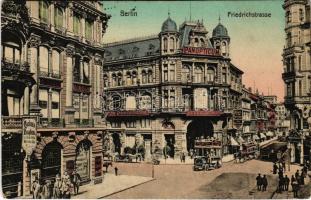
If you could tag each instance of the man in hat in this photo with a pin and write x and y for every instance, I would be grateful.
(76, 179)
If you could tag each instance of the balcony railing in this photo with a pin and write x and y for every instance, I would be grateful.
(54, 74)
(12, 122)
(9, 65)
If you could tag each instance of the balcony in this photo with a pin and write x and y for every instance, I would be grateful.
(53, 123)
(54, 74)
(60, 30)
(12, 122)
(288, 75)
(292, 49)
(9, 66)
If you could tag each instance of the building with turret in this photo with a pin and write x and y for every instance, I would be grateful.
(297, 76)
(172, 88)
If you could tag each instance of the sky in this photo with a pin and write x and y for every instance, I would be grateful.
(256, 43)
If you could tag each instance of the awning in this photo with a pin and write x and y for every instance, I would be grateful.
(262, 135)
(255, 137)
(234, 142)
(270, 134)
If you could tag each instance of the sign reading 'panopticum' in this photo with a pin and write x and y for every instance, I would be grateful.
(29, 135)
(201, 51)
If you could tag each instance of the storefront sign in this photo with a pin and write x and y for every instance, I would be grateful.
(200, 51)
(29, 135)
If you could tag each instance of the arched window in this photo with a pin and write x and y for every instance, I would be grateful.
(210, 75)
(134, 77)
(224, 48)
(43, 11)
(217, 46)
(105, 80)
(114, 80)
(185, 73)
(128, 78)
(171, 44)
(144, 76)
(116, 102)
(202, 42)
(58, 17)
(196, 42)
(165, 44)
(150, 76)
(43, 59)
(119, 79)
(55, 62)
(198, 74)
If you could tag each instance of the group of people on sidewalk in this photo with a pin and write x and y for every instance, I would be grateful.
(296, 180)
(262, 182)
(61, 188)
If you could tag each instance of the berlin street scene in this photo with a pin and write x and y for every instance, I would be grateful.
(155, 100)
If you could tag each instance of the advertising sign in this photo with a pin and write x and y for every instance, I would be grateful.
(29, 135)
(201, 51)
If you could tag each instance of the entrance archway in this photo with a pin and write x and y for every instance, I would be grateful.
(116, 142)
(198, 128)
(51, 160)
(83, 159)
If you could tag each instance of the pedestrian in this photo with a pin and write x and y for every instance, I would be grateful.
(305, 170)
(286, 183)
(46, 190)
(66, 188)
(302, 178)
(297, 174)
(76, 179)
(66, 176)
(264, 183)
(36, 189)
(183, 157)
(259, 182)
(280, 186)
(283, 166)
(275, 168)
(57, 189)
(280, 173)
(116, 171)
(295, 188)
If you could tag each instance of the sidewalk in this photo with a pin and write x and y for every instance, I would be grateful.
(111, 184)
(171, 161)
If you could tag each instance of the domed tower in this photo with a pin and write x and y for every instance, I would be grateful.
(169, 36)
(221, 39)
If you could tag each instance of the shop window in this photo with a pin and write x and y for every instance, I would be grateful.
(43, 11)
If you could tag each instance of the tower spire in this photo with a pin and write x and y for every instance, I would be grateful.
(219, 19)
(168, 12)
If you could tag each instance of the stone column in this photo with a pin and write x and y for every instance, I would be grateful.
(33, 44)
(301, 152)
(81, 70)
(69, 110)
(49, 105)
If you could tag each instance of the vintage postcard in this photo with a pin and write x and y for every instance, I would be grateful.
(156, 99)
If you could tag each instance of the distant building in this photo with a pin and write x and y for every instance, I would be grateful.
(282, 119)
(172, 88)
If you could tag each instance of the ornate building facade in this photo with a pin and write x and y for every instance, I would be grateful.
(297, 75)
(171, 89)
(51, 84)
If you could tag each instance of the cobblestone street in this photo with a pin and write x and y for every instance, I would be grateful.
(179, 181)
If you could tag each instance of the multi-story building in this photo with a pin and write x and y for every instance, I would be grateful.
(247, 134)
(51, 85)
(270, 101)
(297, 74)
(171, 88)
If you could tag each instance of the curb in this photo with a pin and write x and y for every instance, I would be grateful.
(125, 189)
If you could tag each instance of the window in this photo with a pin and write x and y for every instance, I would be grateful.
(210, 75)
(130, 124)
(144, 76)
(196, 42)
(289, 39)
(172, 72)
(76, 105)
(165, 44)
(134, 77)
(202, 42)
(88, 29)
(86, 72)
(43, 102)
(43, 59)
(43, 11)
(171, 44)
(301, 15)
(198, 73)
(145, 123)
(55, 61)
(11, 51)
(150, 76)
(76, 69)
(185, 73)
(119, 80)
(85, 107)
(165, 72)
(128, 78)
(300, 88)
(165, 98)
(76, 24)
(299, 63)
(114, 80)
(55, 104)
(224, 48)
(105, 80)
(58, 17)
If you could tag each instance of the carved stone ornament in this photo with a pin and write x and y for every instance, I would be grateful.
(34, 41)
(70, 50)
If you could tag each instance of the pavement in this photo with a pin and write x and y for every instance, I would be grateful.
(111, 184)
